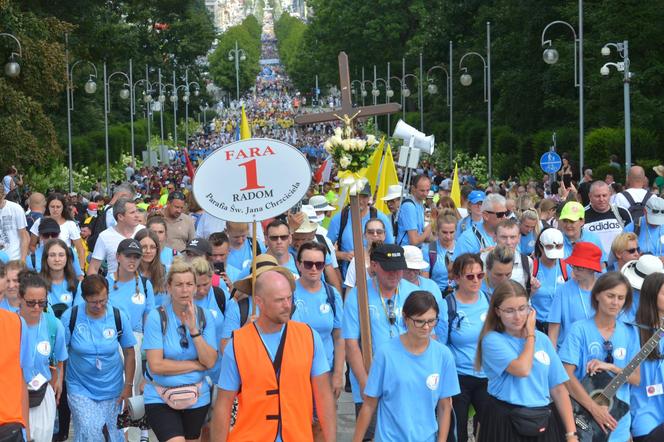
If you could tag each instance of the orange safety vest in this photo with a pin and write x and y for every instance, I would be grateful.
(12, 384)
(267, 402)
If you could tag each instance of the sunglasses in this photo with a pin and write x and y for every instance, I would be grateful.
(608, 348)
(391, 314)
(182, 332)
(36, 303)
(634, 250)
(421, 323)
(275, 238)
(498, 214)
(655, 211)
(472, 276)
(311, 264)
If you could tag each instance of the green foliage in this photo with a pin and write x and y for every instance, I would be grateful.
(290, 32)
(601, 171)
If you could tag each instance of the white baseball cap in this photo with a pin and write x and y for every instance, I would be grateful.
(655, 211)
(393, 192)
(553, 243)
(414, 258)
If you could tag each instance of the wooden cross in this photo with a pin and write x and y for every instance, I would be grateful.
(347, 113)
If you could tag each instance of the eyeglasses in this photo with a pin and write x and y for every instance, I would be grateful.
(608, 348)
(391, 314)
(498, 214)
(35, 303)
(421, 323)
(514, 311)
(472, 276)
(655, 211)
(184, 343)
(275, 238)
(311, 264)
(98, 302)
(634, 250)
(552, 246)
(375, 232)
(49, 235)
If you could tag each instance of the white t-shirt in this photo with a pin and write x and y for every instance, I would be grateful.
(7, 183)
(12, 219)
(69, 231)
(106, 247)
(350, 274)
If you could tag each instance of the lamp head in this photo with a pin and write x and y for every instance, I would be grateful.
(147, 97)
(185, 98)
(606, 51)
(405, 92)
(604, 71)
(196, 92)
(124, 93)
(364, 92)
(243, 57)
(230, 57)
(12, 68)
(432, 88)
(375, 92)
(90, 86)
(389, 93)
(174, 98)
(550, 56)
(162, 98)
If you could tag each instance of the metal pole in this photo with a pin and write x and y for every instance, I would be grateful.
(147, 110)
(387, 98)
(108, 163)
(132, 109)
(186, 108)
(581, 131)
(626, 103)
(362, 87)
(450, 91)
(237, 72)
(175, 111)
(161, 111)
(69, 100)
(488, 84)
(375, 99)
(317, 90)
(420, 94)
(403, 86)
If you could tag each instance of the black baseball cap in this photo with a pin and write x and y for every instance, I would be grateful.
(199, 246)
(389, 256)
(130, 246)
(48, 225)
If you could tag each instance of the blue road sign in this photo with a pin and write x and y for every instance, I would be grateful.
(550, 162)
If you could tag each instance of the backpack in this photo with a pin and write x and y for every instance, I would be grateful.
(561, 263)
(452, 312)
(116, 317)
(525, 265)
(396, 222)
(373, 213)
(97, 226)
(636, 209)
(321, 240)
(220, 297)
(251, 245)
(433, 257)
(163, 318)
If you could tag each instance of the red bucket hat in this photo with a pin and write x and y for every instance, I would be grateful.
(586, 255)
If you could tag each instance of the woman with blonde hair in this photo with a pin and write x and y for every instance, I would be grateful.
(529, 228)
(441, 250)
(624, 248)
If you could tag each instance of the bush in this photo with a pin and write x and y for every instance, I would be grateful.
(600, 172)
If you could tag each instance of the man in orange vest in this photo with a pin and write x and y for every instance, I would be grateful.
(279, 368)
(14, 360)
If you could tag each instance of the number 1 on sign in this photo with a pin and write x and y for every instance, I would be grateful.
(252, 175)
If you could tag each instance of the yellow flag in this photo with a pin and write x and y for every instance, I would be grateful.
(455, 194)
(245, 132)
(388, 177)
(371, 172)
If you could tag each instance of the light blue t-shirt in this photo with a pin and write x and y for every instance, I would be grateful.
(290, 265)
(169, 343)
(166, 257)
(570, 304)
(527, 243)
(411, 217)
(439, 272)
(647, 400)
(586, 236)
(466, 224)
(409, 387)
(584, 343)
(95, 368)
(550, 278)
(232, 321)
(135, 302)
(39, 252)
(313, 309)
(5, 305)
(498, 352)
(241, 258)
(381, 329)
(25, 355)
(629, 315)
(209, 303)
(60, 294)
(468, 242)
(40, 346)
(465, 333)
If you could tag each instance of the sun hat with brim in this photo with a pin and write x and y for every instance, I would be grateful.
(366, 190)
(586, 255)
(550, 237)
(655, 211)
(659, 170)
(637, 270)
(309, 210)
(414, 258)
(264, 263)
(320, 204)
(393, 192)
(389, 256)
(307, 226)
(572, 211)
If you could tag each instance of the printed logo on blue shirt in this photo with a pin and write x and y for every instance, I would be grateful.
(543, 357)
(620, 353)
(138, 298)
(109, 333)
(595, 349)
(325, 308)
(433, 380)
(66, 297)
(44, 348)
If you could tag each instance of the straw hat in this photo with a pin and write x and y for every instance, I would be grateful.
(264, 263)
(659, 170)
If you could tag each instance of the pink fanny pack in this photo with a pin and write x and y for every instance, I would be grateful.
(179, 398)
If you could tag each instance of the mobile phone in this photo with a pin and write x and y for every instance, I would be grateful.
(219, 268)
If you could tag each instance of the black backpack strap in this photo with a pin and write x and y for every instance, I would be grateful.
(321, 240)
(404, 201)
(525, 265)
(451, 314)
(33, 260)
(72, 319)
(479, 236)
(220, 297)
(342, 225)
(202, 322)
(330, 297)
(433, 256)
(118, 322)
(163, 319)
(373, 212)
(144, 280)
(244, 310)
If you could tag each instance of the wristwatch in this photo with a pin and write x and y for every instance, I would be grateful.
(195, 335)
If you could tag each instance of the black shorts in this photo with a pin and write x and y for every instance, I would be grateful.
(168, 423)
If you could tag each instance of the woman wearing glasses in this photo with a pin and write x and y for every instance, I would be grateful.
(98, 381)
(46, 339)
(467, 310)
(374, 232)
(57, 269)
(603, 343)
(571, 301)
(181, 346)
(411, 380)
(624, 248)
(150, 268)
(550, 269)
(441, 250)
(525, 374)
(647, 406)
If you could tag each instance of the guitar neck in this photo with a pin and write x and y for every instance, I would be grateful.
(620, 379)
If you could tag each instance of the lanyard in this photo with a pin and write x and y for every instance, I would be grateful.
(382, 301)
(583, 304)
(94, 341)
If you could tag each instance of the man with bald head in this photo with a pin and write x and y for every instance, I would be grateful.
(603, 218)
(636, 194)
(280, 370)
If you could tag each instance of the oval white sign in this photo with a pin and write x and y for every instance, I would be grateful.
(252, 180)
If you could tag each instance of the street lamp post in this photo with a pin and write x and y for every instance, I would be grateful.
(90, 88)
(12, 68)
(420, 94)
(147, 99)
(237, 55)
(161, 99)
(550, 56)
(390, 94)
(375, 92)
(174, 101)
(125, 93)
(433, 89)
(466, 80)
(186, 99)
(405, 91)
(622, 66)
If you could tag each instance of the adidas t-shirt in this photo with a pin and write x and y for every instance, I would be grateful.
(605, 225)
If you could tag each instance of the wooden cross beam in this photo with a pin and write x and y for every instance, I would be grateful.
(347, 112)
